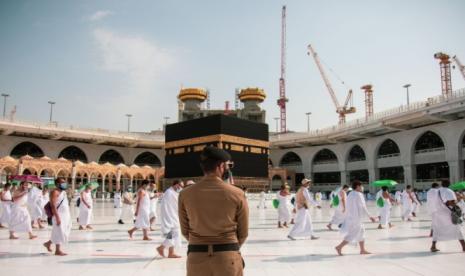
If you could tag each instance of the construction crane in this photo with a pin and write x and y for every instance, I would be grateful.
(368, 89)
(446, 83)
(460, 65)
(342, 110)
(282, 82)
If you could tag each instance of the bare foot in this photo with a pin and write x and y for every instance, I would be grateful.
(151, 229)
(34, 227)
(32, 237)
(146, 239)
(173, 256)
(364, 252)
(47, 245)
(41, 226)
(380, 227)
(392, 225)
(161, 251)
(60, 253)
(13, 237)
(338, 250)
(329, 227)
(130, 234)
(89, 227)
(434, 249)
(1, 226)
(280, 226)
(314, 238)
(81, 228)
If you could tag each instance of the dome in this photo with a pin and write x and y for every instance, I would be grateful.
(192, 94)
(255, 94)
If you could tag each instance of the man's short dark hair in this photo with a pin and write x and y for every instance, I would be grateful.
(408, 187)
(384, 188)
(209, 165)
(355, 184)
(345, 186)
(177, 181)
(434, 185)
(59, 180)
(445, 183)
(145, 182)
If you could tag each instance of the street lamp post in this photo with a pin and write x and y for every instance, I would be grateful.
(408, 96)
(308, 120)
(276, 120)
(51, 110)
(4, 104)
(129, 121)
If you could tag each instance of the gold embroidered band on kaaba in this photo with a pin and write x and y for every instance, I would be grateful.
(224, 141)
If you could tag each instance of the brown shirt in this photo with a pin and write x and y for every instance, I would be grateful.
(213, 212)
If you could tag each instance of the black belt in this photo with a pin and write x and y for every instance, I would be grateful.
(215, 247)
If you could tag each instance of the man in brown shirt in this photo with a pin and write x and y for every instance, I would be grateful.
(214, 218)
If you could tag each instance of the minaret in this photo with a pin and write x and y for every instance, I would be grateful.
(191, 99)
(252, 97)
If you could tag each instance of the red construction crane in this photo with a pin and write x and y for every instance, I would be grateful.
(342, 110)
(460, 65)
(282, 82)
(446, 83)
(368, 89)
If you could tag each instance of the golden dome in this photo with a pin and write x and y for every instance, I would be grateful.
(192, 94)
(255, 94)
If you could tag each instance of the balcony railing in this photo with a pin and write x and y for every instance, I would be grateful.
(375, 118)
(388, 155)
(429, 150)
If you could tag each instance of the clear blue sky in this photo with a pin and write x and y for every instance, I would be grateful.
(102, 59)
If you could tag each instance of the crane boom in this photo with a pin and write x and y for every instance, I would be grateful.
(349, 97)
(282, 81)
(460, 65)
(323, 75)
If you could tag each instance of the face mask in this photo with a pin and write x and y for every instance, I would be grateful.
(129, 190)
(63, 186)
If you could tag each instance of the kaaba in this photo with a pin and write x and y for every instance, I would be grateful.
(245, 140)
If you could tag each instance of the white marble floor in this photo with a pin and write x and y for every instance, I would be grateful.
(402, 250)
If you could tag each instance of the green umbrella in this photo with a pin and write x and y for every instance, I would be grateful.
(384, 182)
(458, 186)
(275, 203)
(93, 185)
(335, 201)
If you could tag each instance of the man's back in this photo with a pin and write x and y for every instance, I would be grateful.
(213, 212)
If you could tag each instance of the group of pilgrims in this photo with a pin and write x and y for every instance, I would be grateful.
(446, 208)
(30, 206)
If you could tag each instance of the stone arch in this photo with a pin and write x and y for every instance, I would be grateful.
(147, 158)
(111, 156)
(428, 141)
(290, 159)
(29, 171)
(388, 148)
(27, 148)
(356, 153)
(73, 153)
(325, 156)
(46, 172)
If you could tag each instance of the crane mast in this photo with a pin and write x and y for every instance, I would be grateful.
(341, 110)
(460, 65)
(282, 80)
(446, 80)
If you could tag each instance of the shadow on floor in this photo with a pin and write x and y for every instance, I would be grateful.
(108, 260)
(406, 238)
(402, 255)
(302, 258)
(22, 255)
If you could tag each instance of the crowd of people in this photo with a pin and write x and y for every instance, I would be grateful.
(192, 211)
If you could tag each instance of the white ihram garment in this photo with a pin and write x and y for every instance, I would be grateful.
(85, 213)
(262, 202)
(117, 200)
(20, 220)
(339, 215)
(60, 233)
(443, 228)
(170, 219)
(385, 212)
(303, 220)
(6, 208)
(35, 203)
(284, 214)
(128, 209)
(143, 214)
(356, 209)
(153, 206)
(407, 205)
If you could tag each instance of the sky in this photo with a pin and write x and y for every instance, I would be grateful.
(99, 60)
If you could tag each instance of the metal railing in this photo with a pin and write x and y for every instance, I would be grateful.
(429, 150)
(92, 132)
(375, 118)
(388, 155)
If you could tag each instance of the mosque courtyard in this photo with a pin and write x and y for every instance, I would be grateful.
(107, 250)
